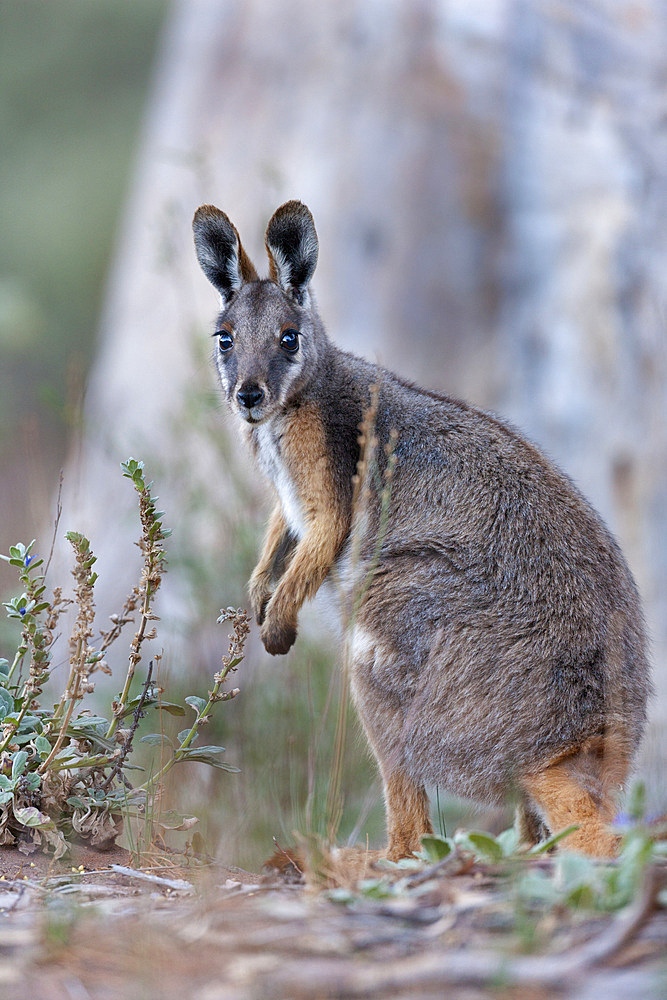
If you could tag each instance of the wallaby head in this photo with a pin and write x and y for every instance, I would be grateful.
(268, 333)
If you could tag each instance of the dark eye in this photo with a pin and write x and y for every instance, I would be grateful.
(289, 341)
(225, 341)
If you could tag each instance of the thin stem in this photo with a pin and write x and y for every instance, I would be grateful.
(93, 763)
(63, 729)
(213, 697)
(334, 805)
(385, 501)
(56, 523)
(73, 670)
(133, 661)
(20, 653)
(127, 746)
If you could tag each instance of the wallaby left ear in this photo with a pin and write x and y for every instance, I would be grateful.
(219, 252)
(292, 246)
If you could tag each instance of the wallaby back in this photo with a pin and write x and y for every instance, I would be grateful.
(496, 636)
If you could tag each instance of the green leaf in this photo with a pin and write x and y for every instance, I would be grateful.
(33, 781)
(206, 755)
(485, 846)
(508, 841)
(537, 887)
(375, 888)
(42, 745)
(583, 896)
(29, 723)
(22, 738)
(574, 870)
(168, 706)
(4, 666)
(637, 803)
(173, 709)
(199, 704)
(93, 731)
(67, 753)
(409, 864)
(183, 733)
(155, 739)
(19, 762)
(342, 896)
(555, 838)
(29, 816)
(83, 722)
(6, 796)
(75, 802)
(6, 784)
(6, 703)
(436, 847)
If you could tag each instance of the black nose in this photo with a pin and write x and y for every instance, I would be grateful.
(250, 396)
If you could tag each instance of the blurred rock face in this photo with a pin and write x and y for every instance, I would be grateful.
(489, 182)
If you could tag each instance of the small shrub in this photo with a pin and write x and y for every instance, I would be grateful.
(64, 771)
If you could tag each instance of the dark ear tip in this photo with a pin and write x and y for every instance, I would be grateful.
(296, 210)
(207, 214)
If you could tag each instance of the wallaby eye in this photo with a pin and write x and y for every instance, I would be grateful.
(289, 341)
(225, 341)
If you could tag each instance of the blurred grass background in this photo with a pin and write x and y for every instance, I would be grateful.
(74, 76)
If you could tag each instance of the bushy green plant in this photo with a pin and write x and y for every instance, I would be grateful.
(64, 771)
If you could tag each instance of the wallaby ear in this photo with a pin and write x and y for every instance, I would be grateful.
(292, 246)
(219, 251)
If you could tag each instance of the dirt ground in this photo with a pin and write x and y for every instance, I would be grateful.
(95, 929)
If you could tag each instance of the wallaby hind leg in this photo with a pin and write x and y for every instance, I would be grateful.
(372, 670)
(530, 826)
(407, 815)
(566, 793)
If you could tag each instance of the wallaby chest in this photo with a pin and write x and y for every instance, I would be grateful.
(267, 440)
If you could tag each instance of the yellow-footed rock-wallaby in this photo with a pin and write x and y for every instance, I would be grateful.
(496, 640)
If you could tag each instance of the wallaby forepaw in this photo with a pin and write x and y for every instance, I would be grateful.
(259, 598)
(278, 637)
(260, 608)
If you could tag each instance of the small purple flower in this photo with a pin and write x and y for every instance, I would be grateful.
(623, 819)
(22, 611)
(29, 559)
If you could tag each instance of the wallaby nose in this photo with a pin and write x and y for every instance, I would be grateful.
(250, 395)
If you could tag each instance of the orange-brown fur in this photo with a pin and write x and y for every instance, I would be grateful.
(563, 801)
(580, 788)
(259, 586)
(407, 815)
(306, 458)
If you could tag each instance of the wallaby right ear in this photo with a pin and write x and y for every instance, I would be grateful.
(292, 246)
(219, 252)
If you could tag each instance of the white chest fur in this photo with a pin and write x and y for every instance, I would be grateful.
(273, 466)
